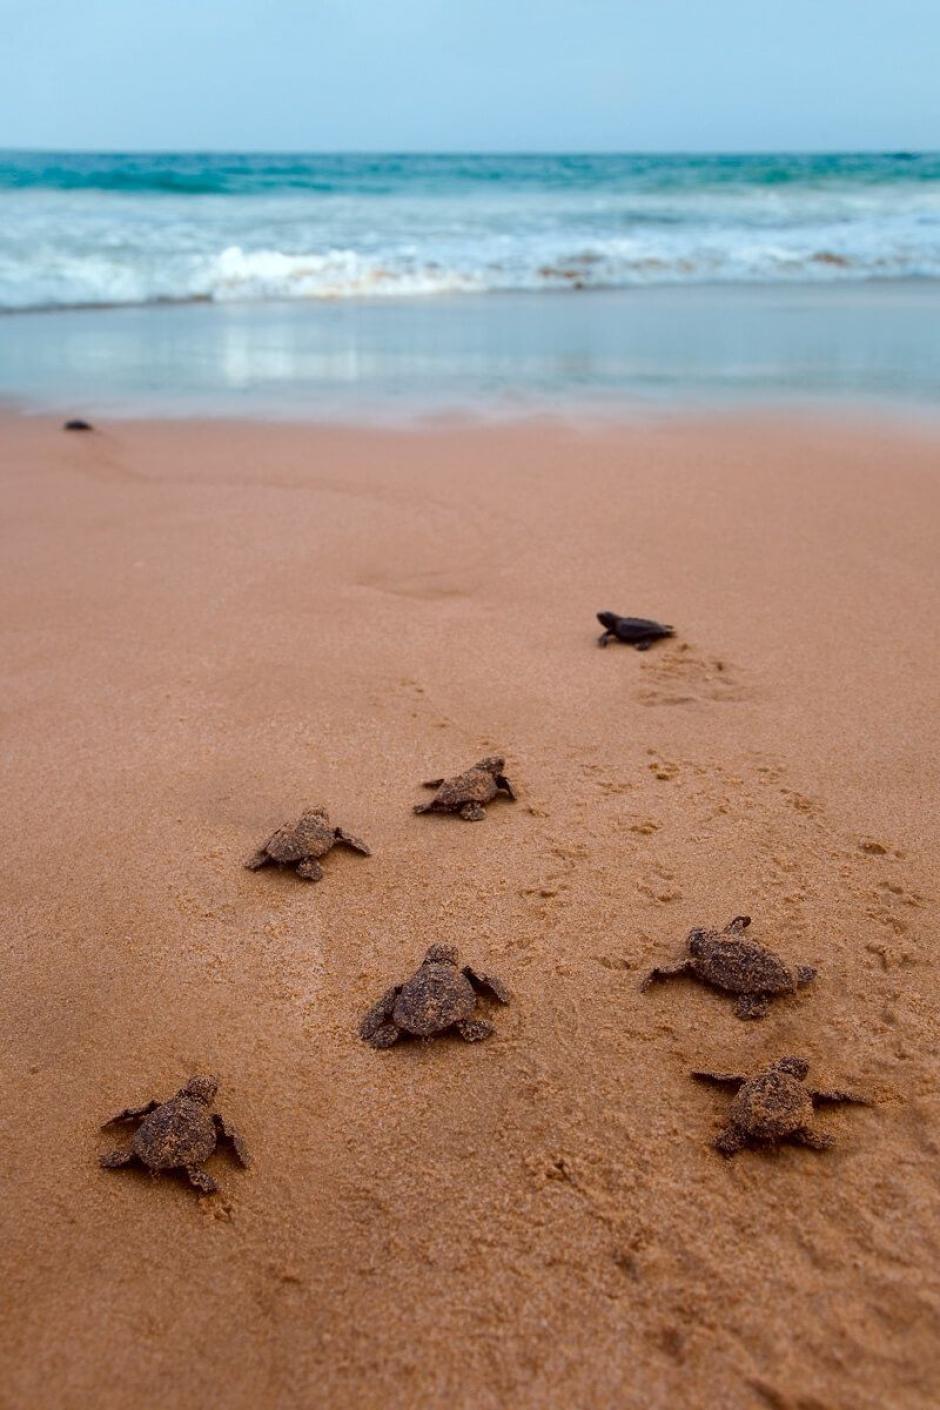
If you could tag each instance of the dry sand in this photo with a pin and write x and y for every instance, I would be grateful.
(208, 627)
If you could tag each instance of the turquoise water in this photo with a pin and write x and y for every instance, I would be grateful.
(337, 285)
(385, 174)
(102, 230)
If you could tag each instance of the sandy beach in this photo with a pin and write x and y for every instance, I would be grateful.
(209, 626)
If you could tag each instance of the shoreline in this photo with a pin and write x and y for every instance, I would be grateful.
(842, 285)
(212, 625)
(901, 421)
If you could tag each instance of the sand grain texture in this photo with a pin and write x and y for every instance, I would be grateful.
(209, 627)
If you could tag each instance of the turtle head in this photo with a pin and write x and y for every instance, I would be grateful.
(201, 1089)
(492, 764)
(793, 1066)
(700, 941)
(441, 954)
(608, 620)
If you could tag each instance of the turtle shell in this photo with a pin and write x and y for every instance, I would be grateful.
(771, 1106)
(181, 1132)
(474, 786)
(437, 996)
(743, 967)
(312, 836)
(638, 628)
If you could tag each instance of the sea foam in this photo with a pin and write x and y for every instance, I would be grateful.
(105, 230)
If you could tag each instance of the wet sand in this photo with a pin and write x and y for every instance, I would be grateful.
(865, 343)
(208, 627)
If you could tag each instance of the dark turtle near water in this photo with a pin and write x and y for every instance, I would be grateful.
(467, 793)
(302, 843)
(728, 960)
(78, 425)
(438, 996)
(774, 1106)
(640, 632)
(180, 1134)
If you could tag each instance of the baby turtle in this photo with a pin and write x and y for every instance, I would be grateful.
(774, 1106)
(728, 960)
(640, 632)
(467, 793)
(438, 996)
(78, 425)
(180, 1134)
(301, 844)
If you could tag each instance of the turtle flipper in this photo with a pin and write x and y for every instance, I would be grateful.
(113, 1160)
(502, 783)
(752, 1005)
(473, 812)
(487, 984)
(731, 1141)
(604, 638)
(667, 972)
(472, 1030)
(310, 869)
(257, 859)
(721, 1079)
(131, 1113)
(805, 973)
(816, 1140)
(432, 783)
(356, 843)
(836, 1096)
(228, 1133)
(385, 1035)
(643, 645)
(202, 1180)
(379, 1018)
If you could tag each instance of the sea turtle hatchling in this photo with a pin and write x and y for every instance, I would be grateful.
(438, 996)
(301, 844)
(640, 632)
(728, 960)
(180, 1134)
(774, 1106)
(467, 793)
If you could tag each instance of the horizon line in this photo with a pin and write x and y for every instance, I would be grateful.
(889, 151)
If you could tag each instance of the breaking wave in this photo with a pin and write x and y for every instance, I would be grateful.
(89, 231)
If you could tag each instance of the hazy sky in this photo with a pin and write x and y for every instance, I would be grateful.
(470, 74)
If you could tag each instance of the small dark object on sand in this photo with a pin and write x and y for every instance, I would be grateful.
(640, 632)
(78, 425)
(302, 843)
(438, 996)
(467, 793)
(774, 1106)
(180, 1134)
(728, 960)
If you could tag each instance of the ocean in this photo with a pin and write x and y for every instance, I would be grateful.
(88, 230)
(453, 247)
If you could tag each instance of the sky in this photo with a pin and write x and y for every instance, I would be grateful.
(470, 75)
